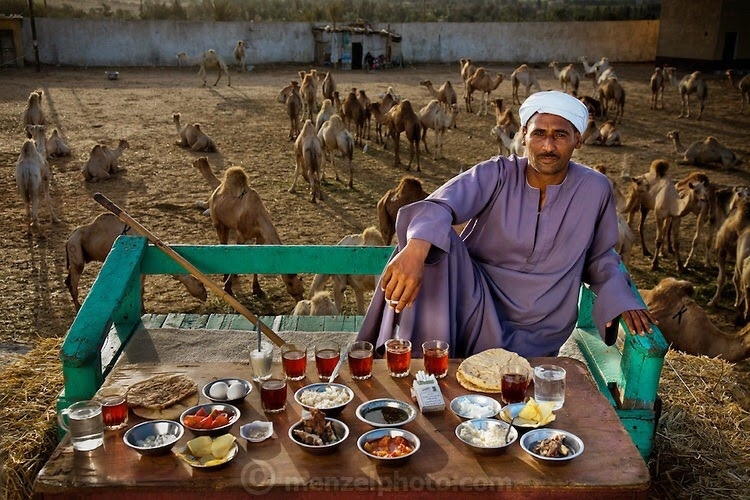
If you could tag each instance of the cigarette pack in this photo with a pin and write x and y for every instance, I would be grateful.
(427, 392)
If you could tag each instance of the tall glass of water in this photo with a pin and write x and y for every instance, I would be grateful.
(84, 423)
(549, 384)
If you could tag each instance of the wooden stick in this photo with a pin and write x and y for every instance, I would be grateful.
(127, 219)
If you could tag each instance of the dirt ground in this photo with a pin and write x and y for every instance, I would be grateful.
(250, 128)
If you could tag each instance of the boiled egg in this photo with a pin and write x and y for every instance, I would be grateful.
(236, 391)
(219, 390)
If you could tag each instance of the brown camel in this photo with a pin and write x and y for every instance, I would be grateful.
(690, 84)
(657, 88)
(686, 326)
(234, 205)
(485, 84)
(707, 153)
(402, 118)
(523, 75)
(408, 191)
(445, 95)
(467, 69)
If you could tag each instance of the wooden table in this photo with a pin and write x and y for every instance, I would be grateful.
(610, 467)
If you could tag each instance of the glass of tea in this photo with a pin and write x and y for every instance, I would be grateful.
(435, 357)
(327, 355)
(273, 394)
(513, 385)
(114, 412)
(294, 360)
(398, 357)
(360, 360)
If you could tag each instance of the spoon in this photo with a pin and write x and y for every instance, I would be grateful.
(335, 372)
(510, 426)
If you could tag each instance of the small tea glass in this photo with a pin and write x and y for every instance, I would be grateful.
(327, 356)
(294, 360)
(398, 357)
(435, 357)
(273, 393)
(360, 356)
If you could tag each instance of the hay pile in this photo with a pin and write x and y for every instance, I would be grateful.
(701, 448)
(28, 430)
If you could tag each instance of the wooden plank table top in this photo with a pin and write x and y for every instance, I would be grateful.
(610, 465)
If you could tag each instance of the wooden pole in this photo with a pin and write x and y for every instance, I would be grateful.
(33, 36)
(127, 219)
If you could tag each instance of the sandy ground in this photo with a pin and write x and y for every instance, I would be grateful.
(160, 186)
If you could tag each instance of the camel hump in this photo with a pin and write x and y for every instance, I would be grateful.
(371, 236)
(659, 167)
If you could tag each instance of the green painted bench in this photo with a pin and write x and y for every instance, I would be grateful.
(111, 314)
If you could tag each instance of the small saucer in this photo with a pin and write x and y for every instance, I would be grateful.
(257, 431)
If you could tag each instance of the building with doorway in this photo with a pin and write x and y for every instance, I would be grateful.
(707, 35)
(355, 46)
(11, 43)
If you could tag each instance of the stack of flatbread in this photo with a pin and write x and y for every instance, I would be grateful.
(483, 372)
(163, 396)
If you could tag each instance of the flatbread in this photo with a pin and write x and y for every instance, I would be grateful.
(170, 413)
(483, 371)
(161, 391)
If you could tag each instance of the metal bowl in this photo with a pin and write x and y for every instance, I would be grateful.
(229, 381)
(330, 411)
(533, 437)
(339, 428)
(490, 426)
(386, 412)
(232, 412)
(392, 432)
(471, 406)
(137, 437)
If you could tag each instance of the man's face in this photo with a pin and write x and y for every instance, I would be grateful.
(550, 141)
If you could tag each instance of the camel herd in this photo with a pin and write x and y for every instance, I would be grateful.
(327, 126)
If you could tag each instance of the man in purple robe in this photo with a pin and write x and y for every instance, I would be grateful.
(537, 227)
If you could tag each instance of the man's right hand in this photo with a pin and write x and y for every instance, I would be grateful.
(402, 277)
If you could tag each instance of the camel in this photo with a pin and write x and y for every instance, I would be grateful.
(625, 234)
(523, 75)
(92, 243)
(743, 85)
(722, 201)
(506, 119)
(514, 144)
(293, 109)
(726, 241)
(191, 136)
(409, 190)
(434, 116)
(359, 282)
(207, 60)
(611, 93)
(642, 197)
(325, 113)
(351, 111)
(690, 84)
(467, 69)
(687, 327)
(568, 76)
(308, 153)
(657, 88)
(33, 114)
(379, 110)
(308, 92)
(669, 207)
(593, 105)
(329, 86)
(234, 205)
(32, 179)
(704, 212)
(364, 103)
(402, 118)
(38, 134)
(102, 162)
(606, 135)
(56, 146)
(320, 304)
(239, 55)
(334, 137)
(285, 91)
(707, 153)
(201, 164)
(485, 84)
(445, 95)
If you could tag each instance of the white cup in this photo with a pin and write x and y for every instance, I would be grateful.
(549, 384)
(84, 424)
(260, 361)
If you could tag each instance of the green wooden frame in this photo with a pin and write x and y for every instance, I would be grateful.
(111, 313)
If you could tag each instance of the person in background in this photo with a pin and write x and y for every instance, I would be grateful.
(536, 228)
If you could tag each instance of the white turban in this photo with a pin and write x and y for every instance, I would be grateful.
(555, 103)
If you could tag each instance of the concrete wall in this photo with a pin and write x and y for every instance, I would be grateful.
(79, 42)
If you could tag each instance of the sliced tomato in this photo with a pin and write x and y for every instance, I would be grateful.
(192, 421)
(205, 423)
(220, 420)
(201, 412)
